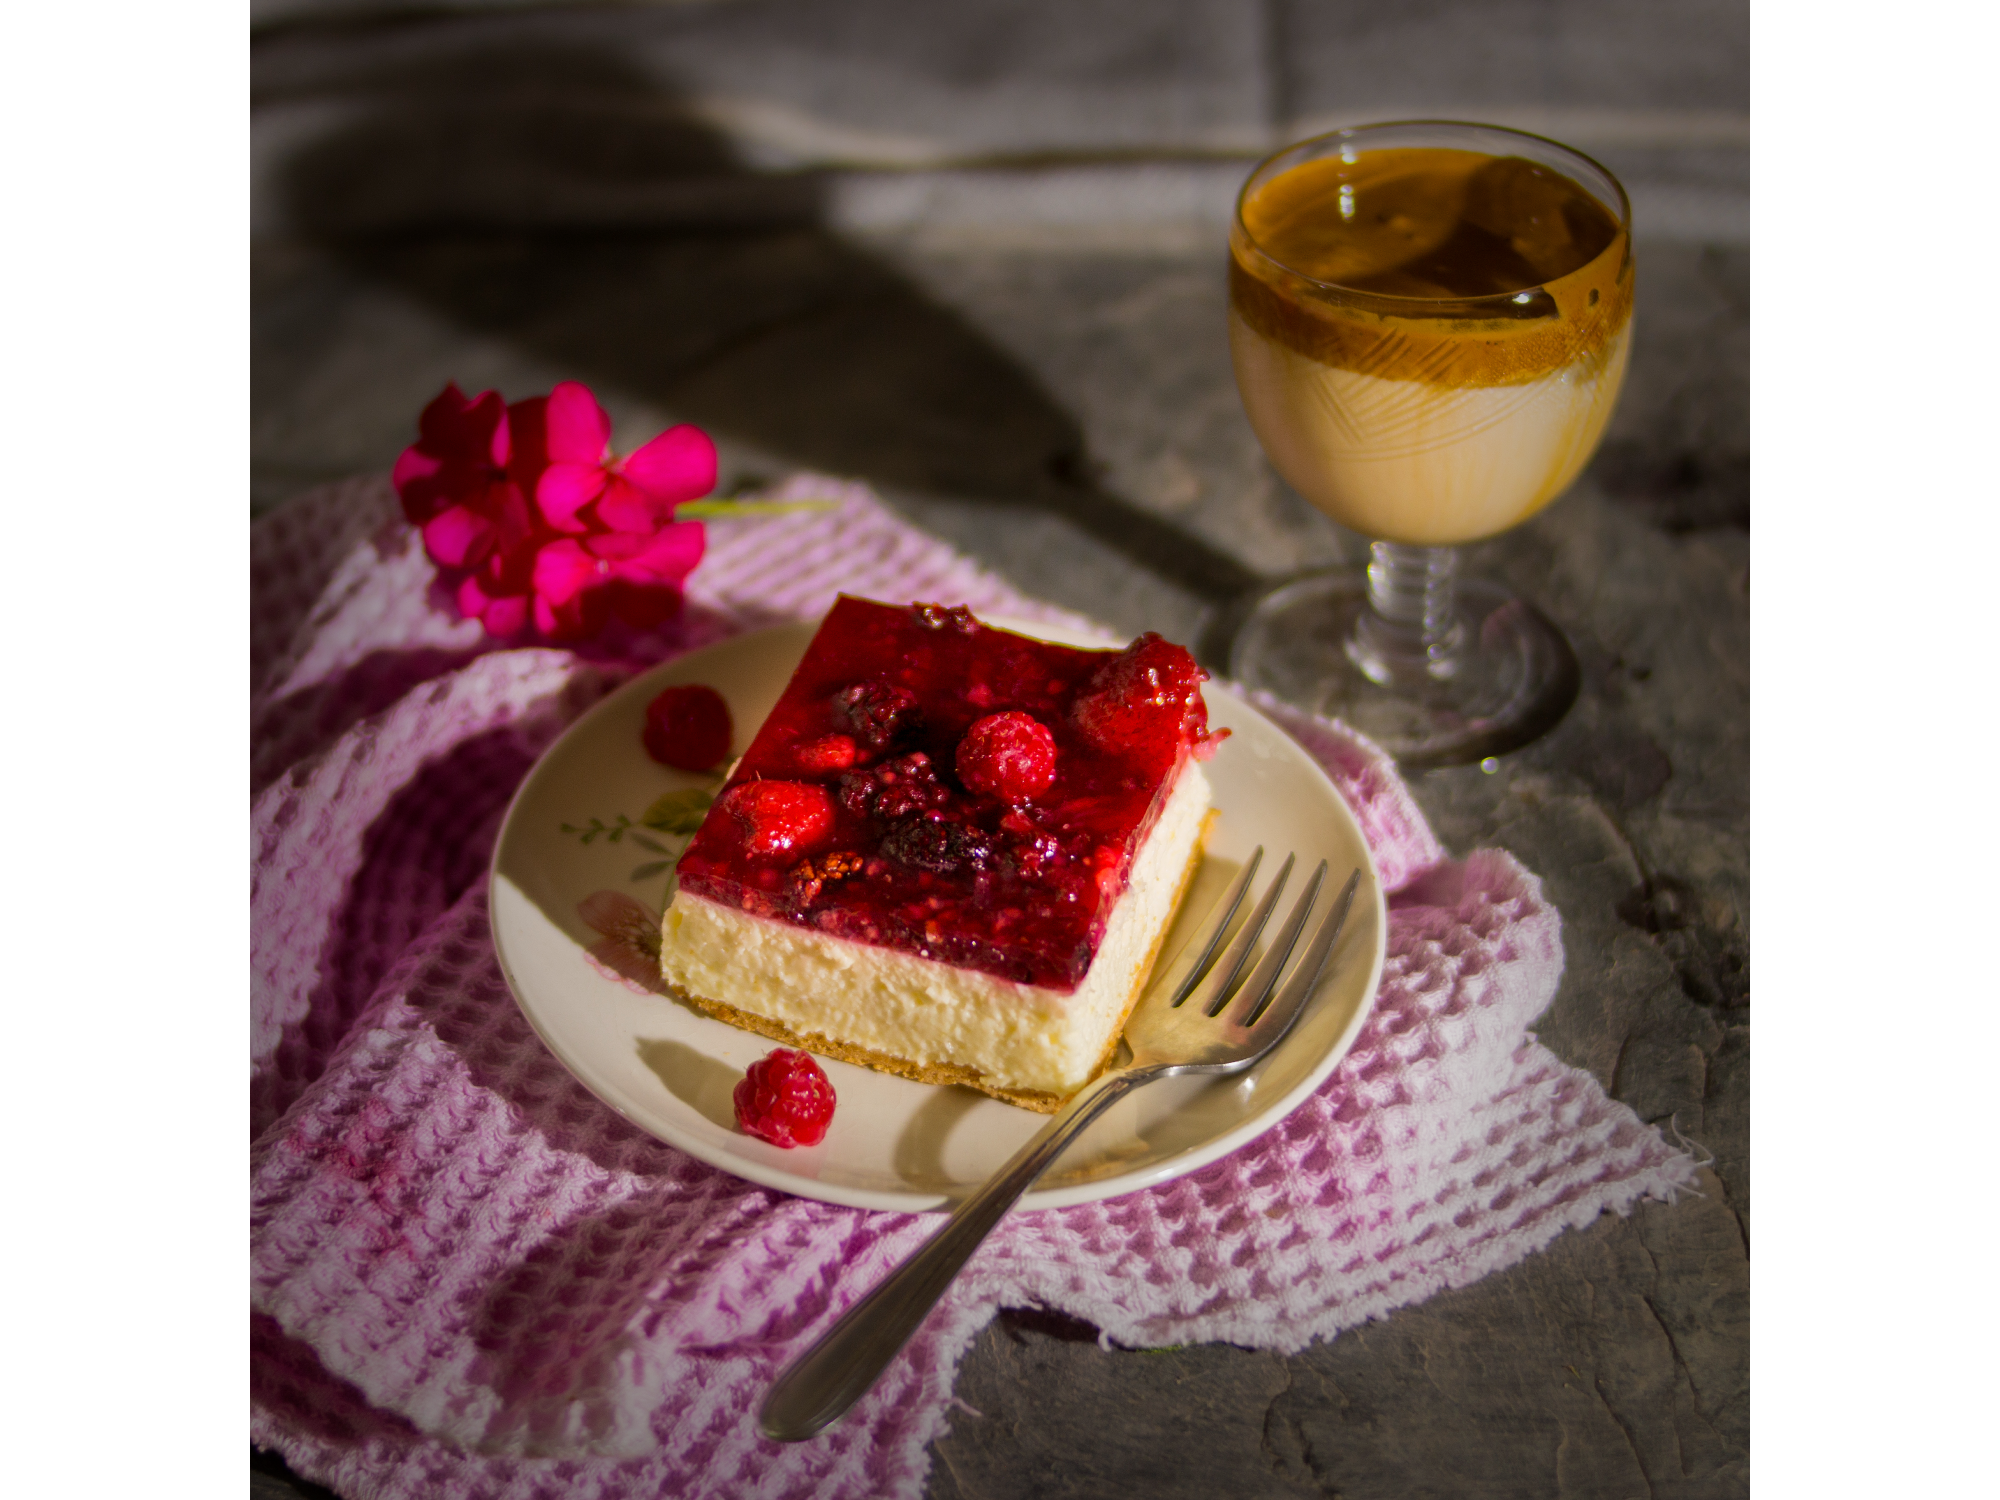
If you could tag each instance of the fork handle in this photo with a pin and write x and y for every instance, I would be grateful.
(830, 1377)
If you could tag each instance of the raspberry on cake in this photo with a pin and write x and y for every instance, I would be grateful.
(951, 852)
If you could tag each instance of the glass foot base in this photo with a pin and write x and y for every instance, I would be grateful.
(1511, 679)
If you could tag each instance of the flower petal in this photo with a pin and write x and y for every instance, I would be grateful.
(506, 617)
(627, 508)
(528, 422)
(563, 570)
(473, 601)
(578, 430)
(516, 535)
(416, 479)
(501, 447)
(502, 614)
(509, 570)
(677, 465)
(667, 558)
(471, 430)
(564, 489)
(457, 538)
(415, 463)
(615, 546)
(503, 506)
(438, 423)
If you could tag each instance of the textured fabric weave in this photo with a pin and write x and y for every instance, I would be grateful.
(471, 1279)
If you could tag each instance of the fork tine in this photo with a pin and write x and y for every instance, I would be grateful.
(1222, 977)
(1192, 961)
(1249, 1002)
(1284, 1007)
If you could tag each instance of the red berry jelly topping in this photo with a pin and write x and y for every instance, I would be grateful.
(785, 1099)
(1008, 756)
(931, 785)
(688, 728)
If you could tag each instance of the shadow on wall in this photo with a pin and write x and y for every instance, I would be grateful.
(555, 198)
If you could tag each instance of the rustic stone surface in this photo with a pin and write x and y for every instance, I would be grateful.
(1591, 1370)
(1056, 399)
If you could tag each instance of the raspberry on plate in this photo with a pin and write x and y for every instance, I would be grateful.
(1011, 756)
(785, 1099)
(688, 728)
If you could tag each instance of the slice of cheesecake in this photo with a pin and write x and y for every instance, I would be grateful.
(951, 852)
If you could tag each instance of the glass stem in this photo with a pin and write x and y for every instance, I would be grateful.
(1409, 631)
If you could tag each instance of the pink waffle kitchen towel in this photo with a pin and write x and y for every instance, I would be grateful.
(471, 1279)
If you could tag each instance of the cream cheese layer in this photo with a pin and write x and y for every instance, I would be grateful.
(1420, 463)
(1018, 1036)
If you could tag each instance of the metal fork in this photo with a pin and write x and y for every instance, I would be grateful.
(1167, 1035)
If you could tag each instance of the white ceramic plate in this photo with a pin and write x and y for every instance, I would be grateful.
(893, 1144)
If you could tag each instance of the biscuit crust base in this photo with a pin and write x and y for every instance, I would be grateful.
(1039, 1100)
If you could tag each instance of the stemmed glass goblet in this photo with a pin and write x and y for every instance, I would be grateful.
(1429, 322)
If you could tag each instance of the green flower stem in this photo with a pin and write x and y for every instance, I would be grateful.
(707, 509)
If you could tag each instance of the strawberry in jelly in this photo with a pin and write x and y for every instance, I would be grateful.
(1000, 848)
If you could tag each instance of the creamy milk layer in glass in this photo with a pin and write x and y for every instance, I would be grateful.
(1428, 341)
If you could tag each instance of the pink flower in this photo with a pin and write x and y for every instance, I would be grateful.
(633, 494)
(461, 449)
(547, 529)
(503, 615)
(454, 484)
(637, 577)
